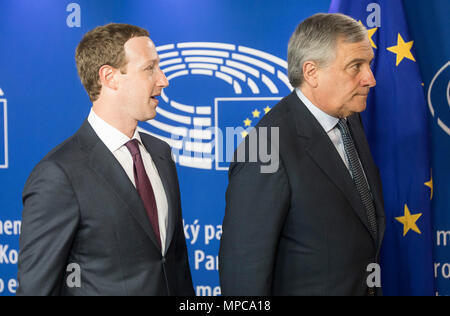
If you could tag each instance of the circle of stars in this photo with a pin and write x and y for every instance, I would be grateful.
(255, 115)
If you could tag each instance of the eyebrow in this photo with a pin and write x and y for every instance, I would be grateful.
(151, 62)
(359, 60)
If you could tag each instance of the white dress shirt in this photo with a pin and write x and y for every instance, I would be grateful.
(329, 124)
(115, 141)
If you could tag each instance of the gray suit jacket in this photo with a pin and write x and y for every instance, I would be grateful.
(303, 229)
(80, 207)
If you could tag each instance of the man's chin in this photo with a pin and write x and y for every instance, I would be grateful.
(151, 117)
(350, 111)
(363, 107)
(358, 108)
(147, 116)
(151, 114)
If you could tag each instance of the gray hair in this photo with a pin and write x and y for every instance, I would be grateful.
(315, 40)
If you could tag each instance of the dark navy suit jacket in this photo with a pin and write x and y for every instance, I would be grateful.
(80, 207)
(303, 229)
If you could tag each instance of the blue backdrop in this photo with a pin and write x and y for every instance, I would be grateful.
(226, 65)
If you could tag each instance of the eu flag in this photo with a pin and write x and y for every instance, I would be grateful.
(396, 126)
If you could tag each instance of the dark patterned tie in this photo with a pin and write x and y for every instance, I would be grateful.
(358, 177)
(144, 187)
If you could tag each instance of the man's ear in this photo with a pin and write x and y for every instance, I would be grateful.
(311, 73)
(107, 76)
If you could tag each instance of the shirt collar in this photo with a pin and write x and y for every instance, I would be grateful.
(108, 134)
(327, 121)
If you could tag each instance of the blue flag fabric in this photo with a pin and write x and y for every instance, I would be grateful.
(396, 125)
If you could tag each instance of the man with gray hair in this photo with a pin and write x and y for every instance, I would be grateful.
(314, 226)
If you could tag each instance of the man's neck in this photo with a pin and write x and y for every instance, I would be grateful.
(115, 119)
(309, 93)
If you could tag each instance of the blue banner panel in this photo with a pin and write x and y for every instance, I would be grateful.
(3, 133)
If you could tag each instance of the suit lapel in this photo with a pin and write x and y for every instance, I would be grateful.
(163, 167)
(321, 149)
(103, 162)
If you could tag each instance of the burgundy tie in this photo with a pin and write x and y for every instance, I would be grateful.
(144, 187)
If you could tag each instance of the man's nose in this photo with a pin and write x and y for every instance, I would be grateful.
(162, 80)
(368, 80)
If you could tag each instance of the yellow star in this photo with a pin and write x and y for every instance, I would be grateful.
(370, 32)
(402, 50)
(248, 122)
(256, 113)
(409, 221)
(430, 185)
(266, 110)
(244, 134)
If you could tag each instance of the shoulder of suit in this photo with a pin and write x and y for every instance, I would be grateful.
(68, 149)
(67, 153)
(63, 156)
(276, 115)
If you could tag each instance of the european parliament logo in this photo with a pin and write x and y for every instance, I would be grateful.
(3, 131)
(439, 97)
(217, 93)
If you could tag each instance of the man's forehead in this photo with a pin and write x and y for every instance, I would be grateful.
(139, 42)
(141, 46)
(358, 50)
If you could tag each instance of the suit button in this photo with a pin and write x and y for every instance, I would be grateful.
(163, 260)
